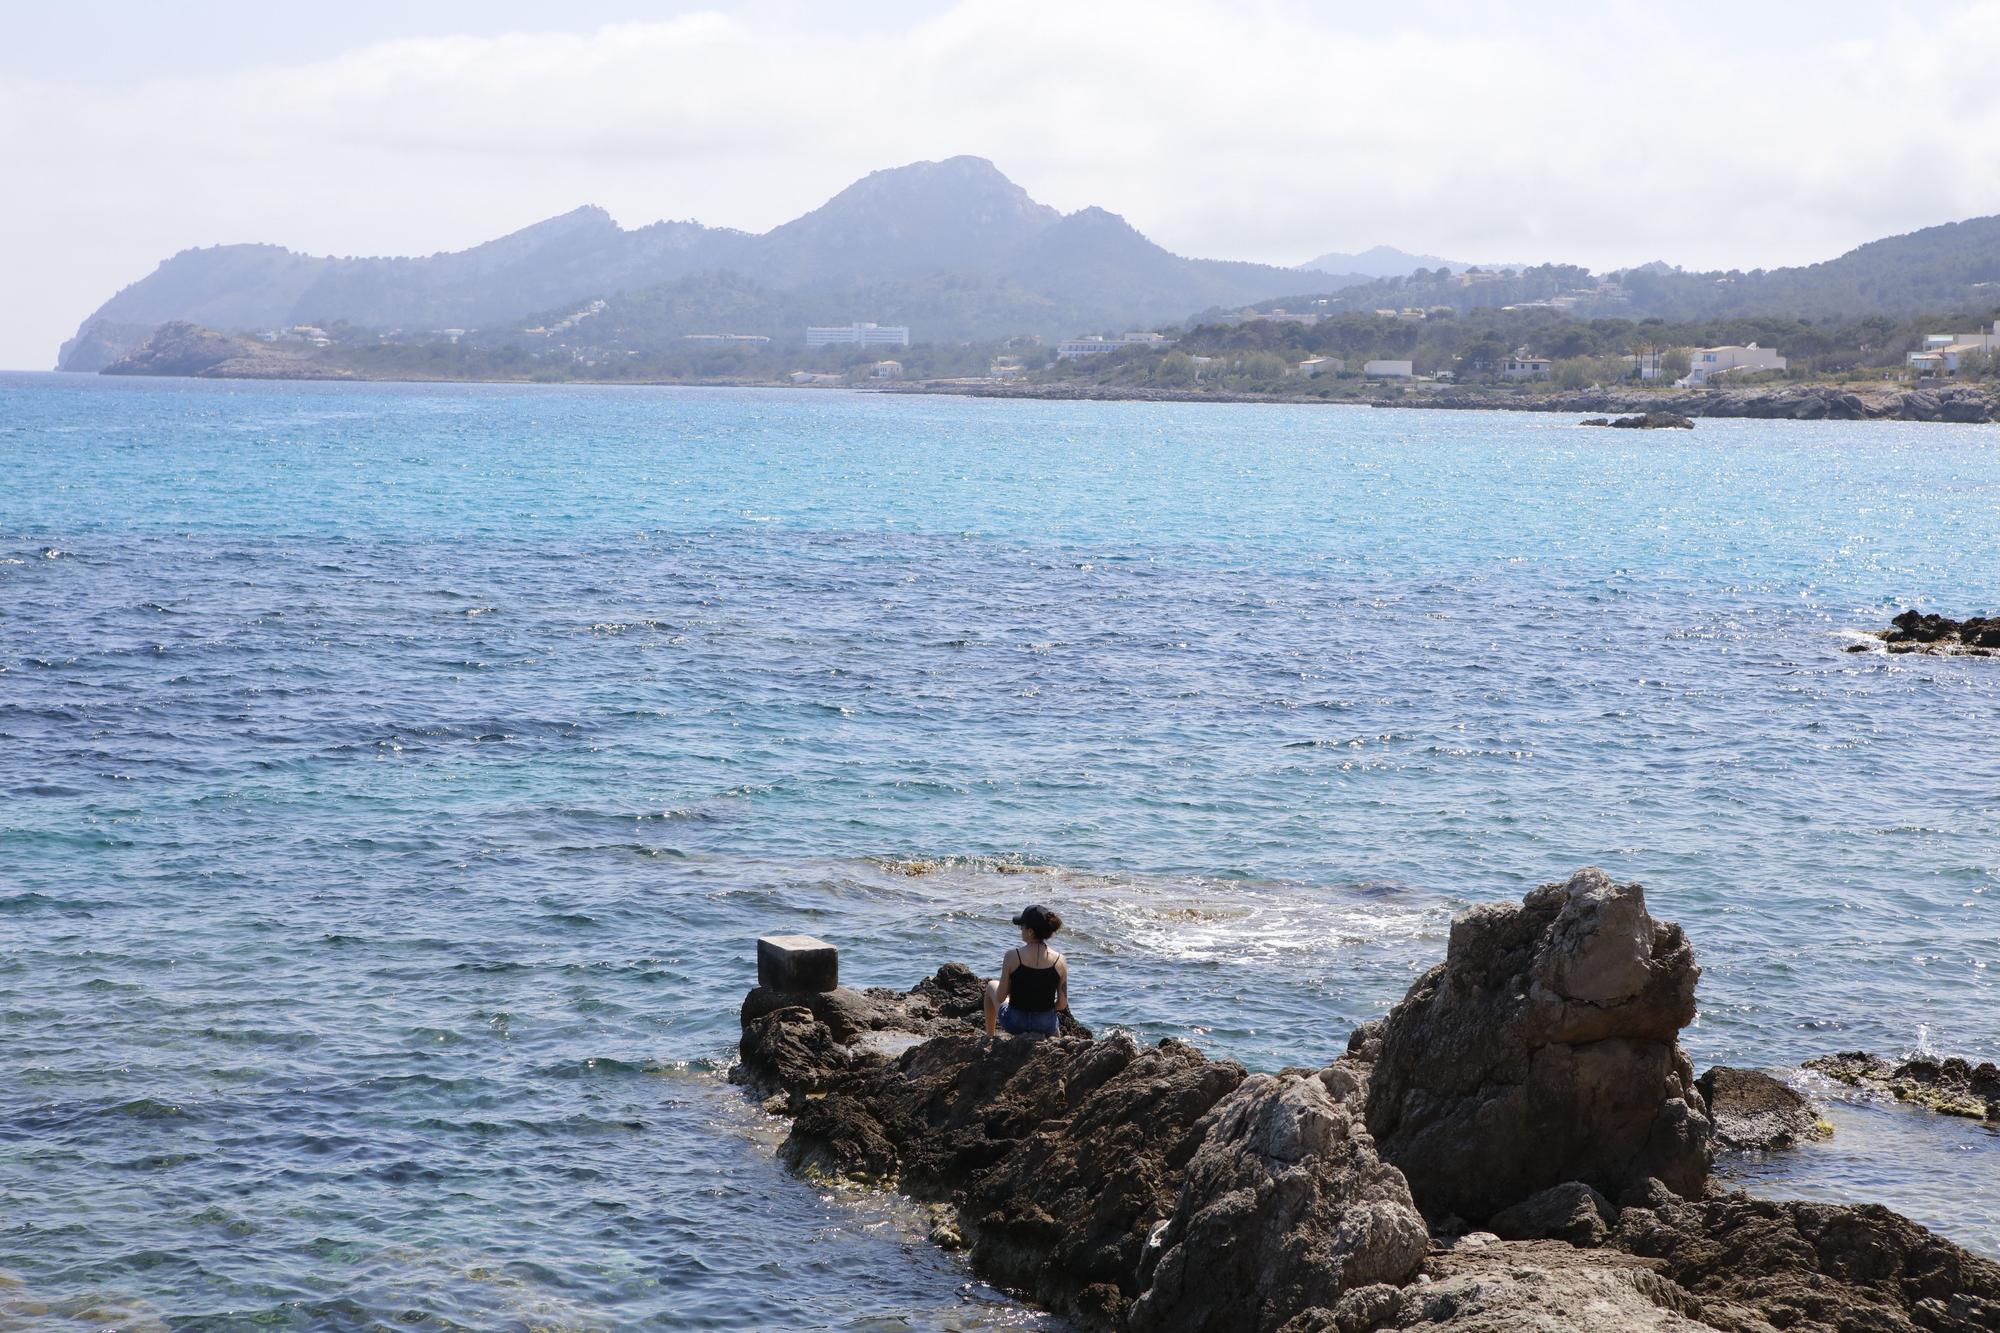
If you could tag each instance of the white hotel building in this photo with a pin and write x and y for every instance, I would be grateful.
(861, 335)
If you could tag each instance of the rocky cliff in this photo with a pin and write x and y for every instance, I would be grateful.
(1533, 1080)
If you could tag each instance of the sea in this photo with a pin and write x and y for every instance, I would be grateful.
(394, 780)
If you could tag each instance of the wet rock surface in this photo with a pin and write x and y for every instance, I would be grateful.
(1918, 632)
(1543, 1050)
(1949, 1085)
(1150, 1189)
(1754, 1112)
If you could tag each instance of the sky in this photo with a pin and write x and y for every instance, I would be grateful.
(1597, 132)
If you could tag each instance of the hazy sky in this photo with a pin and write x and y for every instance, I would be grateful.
(1596, 131)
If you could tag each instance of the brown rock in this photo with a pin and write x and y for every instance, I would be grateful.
(1544, 1050)
(1285, 1208)
(1816, 1267)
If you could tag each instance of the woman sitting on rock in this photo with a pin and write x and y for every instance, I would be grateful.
(1033, 988)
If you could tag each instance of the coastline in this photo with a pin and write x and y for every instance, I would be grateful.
(1947, 404)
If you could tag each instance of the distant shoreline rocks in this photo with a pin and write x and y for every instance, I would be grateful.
(1920, 632)
(1645, 421)
(1954, 404)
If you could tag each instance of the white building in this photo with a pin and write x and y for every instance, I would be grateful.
(1705, 363)
(1521, 366)
(1321, 365)
(862, 335)
(1388, 370)
(1942, 350)
(727, 339)
(886, 370)
(1094, 345)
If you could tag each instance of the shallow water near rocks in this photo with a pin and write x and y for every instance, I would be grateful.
(396, 777)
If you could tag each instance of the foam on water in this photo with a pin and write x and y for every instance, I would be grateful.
(396, 777)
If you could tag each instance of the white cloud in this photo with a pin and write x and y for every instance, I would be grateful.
(1270, 131)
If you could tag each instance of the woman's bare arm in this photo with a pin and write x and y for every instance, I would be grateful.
(1007, 975)
(1062, 982)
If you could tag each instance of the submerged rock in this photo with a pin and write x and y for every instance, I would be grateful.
(1543, 1050)
(1754, 1112)
(1951, 1086)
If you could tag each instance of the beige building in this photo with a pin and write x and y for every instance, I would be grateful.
(1705, 363)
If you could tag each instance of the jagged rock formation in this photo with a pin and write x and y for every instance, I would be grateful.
(1543, 1050)
(1153, 1190)
(1285, 1207)
(1088, 1173)
(1813, 1266)
(1951, 1086)
(1754, 1112)
(1917, 632)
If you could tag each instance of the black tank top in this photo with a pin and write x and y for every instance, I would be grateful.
(1033, 989)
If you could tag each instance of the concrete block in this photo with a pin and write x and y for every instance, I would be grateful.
(797, 962)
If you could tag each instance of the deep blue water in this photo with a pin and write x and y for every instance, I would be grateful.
(393, 780)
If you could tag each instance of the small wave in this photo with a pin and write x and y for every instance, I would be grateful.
(599, 1066)
(916, 867)
(147, 1108)
(23, 904)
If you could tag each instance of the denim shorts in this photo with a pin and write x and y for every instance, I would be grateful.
(1020, 1023)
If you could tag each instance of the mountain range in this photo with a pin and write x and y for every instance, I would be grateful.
(959, 253)
(954, 249)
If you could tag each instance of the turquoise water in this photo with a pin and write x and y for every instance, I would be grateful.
(396, 777)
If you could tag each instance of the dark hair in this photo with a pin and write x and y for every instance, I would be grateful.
(1040, 920)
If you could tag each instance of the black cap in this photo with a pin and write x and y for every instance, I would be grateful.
(1035, 918)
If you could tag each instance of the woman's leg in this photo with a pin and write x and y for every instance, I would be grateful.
(992, 994)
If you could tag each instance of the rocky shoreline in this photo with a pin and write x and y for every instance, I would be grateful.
(1948, 1086)
(1953, 403)
(1956, 403)
(1520, 1145)
(182, 348)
